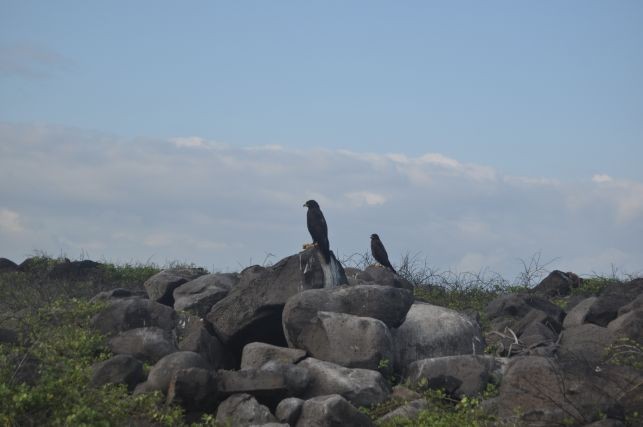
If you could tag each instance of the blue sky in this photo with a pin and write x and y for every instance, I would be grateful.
(521, 121)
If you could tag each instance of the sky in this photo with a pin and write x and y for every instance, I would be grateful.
(472, 134)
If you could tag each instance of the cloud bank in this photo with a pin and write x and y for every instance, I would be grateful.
(70, 191)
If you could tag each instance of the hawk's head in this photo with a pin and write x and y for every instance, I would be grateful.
(311, 204)
(375, 237)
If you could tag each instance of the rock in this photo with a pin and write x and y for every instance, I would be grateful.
(193, 388)
(377, 275)
(75, 270)
(200, 341)
(537, 334)
(347, 340)
(117, 294)
(331, 411)
(629, 325)
(161, 286)
(361, 387)
(410, 411)
(605, 308)
(199, 295)
(7, 266)
(607, 422)
(557, 283)
(122, 315)
(162, 372)
(252, 310)
(541, 392)
(537, 316)
(268, 386)
(586, 343)
(289, 410)
(387, 304)
(576, 316)
(146, 344)
(242, 410)
(434, 331)
(8, 336)
(256, 354)
(458, 375)
(120, 369)
(518, 305)
(637, 304)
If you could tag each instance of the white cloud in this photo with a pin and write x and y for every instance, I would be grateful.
(223, 206)
(31, 60)
(10, 221)
(600, 178)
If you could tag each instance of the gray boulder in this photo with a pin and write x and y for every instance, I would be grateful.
(269, 386)
(387, 304)
(200, 341)
(125, 314)
(256, 354)
(347, 340)
(518, 305)
(577, 315)
(199, 295)
(289, 410)
(377, 275)
(637, 304)
(120, 369)
(146, 344)
(541, 392)
(331, 411)
(160, 287)
(241, 410)
(7, 266)
(252, 310)
(587, 343)
(162, 372)
(193, 388)
(557, 283)
(457, 375)
(433, 331)
(628, 325)
(361, 387)
(409, 411)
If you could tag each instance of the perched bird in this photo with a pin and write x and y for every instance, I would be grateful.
(318, 228)
(379, 253)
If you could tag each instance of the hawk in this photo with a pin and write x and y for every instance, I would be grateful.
(318, 228)
(379, 253)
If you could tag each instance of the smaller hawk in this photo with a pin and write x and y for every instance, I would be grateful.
(379, 253)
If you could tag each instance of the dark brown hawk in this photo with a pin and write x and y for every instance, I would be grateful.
(379, 253)
(318, 228)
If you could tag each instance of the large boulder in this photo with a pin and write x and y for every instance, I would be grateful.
(125, 314)
(347, 340)
(557, 283)
(540, 392)
(257, 354)
(289, 410)
(377, 275)
(199, 295)
(387, 304)
(162, 372)
(577, 315)
(252, 310)
(75, 270)
(587, 343)
(457, 375)
(146, 344)
(268, 386)
(120, 369)
(361, 387)
(193, 388)
(434, 331)
(201, 341)
(243, 410)
(628, 325)
(331, 411)
(409, 411)
(161, 286)
(518, 305)
(7, 266)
